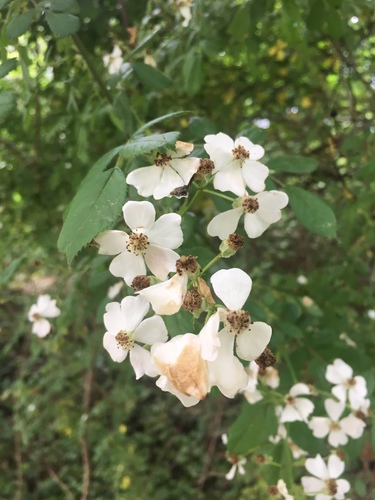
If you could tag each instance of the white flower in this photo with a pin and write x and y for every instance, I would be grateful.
(371, 313)
(150, 241)
(283, 490)
(184, 7)
(260, 211)
(114, 60)
(337, 430)
(325, 484)
(237, 466)
(363, 408)
(167, 297)
(302, 280)
(270, 377)
(341, 374)
(233, 287)
(167, 175)
(250, 392)
(125, 327)
(45, 307)
(236, 164)
(297, 408)
(114, 290)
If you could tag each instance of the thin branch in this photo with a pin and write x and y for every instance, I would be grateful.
(62, 485)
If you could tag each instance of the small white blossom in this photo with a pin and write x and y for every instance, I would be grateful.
(297, 408)
(45, 307)
(371, 313)
(114, 60)
(169, 173)
(270, 377)
(283, 490)
(236, 164)
(302, 280)
(325, 484)
(125, 327)
(150, 242)
(337, 430)
(251, 392)
(184, 7)
(341, 374)
(237, 466)
(260, 211)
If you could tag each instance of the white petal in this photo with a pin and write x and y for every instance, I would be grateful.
(254, 225)
(139, 214)
(298, 389)
(41, 327)
(335, 466)
(256, 152)
(270, 203)
(353, 426)
(161, 261)
(340, 392)
(167, 232)
(186, 168)
(134, 309)
(151, 330)
(127, 265)
(290, 414)
(230, 475)
(225, 223)
(164, 384)
(358, 392)
(169, 181)
(312, 485)
(209, 338)
(145, 179)
(167, 297)
(251, 344)
(343, 487)
(317, 467)
(254, 174)
(334, 409)
(141, 361)
(34, 309)
(115, 351)
(47, 307)
(304, 407)
(218, 142)
(182, 149)
(232, 286)
(337, 438)
(320, 426)
(230, 179)
(112, 242)
(338, 372)
(114, 318)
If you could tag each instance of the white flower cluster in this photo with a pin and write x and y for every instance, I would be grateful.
(189, 365)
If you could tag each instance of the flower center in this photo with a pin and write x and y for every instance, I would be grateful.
(138, 243)
(334, 426)
(36, 316)
(240, 153)
(331, 486)
(351, 383)
(237, 321)
(162, 159)
(250, 204)
(290, 400)
(125, 340)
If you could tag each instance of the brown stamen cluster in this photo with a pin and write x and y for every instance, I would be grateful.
(138, 243)
(266, 359)
(192, 301)
(206, 166)
(36, 316)
(334, 426)
(273, 491)
(162, 159)
(235, 241)
(290, 400)
(352, 382)
(237, 321)
(124, 340)
(140, 282)
(240, 153)
(250, 204)
(331, 486)
(180, 191)
(186, 264)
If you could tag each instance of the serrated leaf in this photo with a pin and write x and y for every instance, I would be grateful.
(62, 24)
(20, 24)
(293, 164)
(252, 427)
(312, 212)
(151, 78)
(7, 66)
(193, 72)
(158, 120)
(95, 207)
(7, 103)
(144, 145)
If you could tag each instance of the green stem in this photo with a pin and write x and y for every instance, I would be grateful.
(290, 366)
(95, 73)
(215, 193)
(211, 263)
(187, 204)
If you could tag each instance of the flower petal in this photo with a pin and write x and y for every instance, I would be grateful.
(209, 338)
(299, 389)
(320, 426)
(185, 168)
(353, 426)
(311, 485)
(255, 225)
(133, 310)
(142, 363)
(41, 327)
(115, 351)
(337, 438)
(251, 343)
(169, 181)
(164, 384)
(317, 467)
(151, 330)
(232, 286)
(145, 179)
(335, 467)
(230, 179)
(167, 232)
(127, 265)
(254, 174)
(167, 297)
(270, 203)
(224, 224)
(334, 409)
(112, 242)
(338, 372)
(304, 407)
(161, 261)
(139, 214)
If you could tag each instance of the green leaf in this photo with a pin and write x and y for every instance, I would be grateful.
(289, 330)
(122, 110)
(158, 120)
(8, 272)
(3, 3)
(7, 66)
(62, 24)
(151, 78)
(62, 5)
(252, 427)
(193, 73)
(144, 145)
(95, 207)
(293, 164)
(303, 437)
(240, 24)
(312, 212)
(7, 103)
(20, 24)
(144, 43)
(335, 25)
(101, 164)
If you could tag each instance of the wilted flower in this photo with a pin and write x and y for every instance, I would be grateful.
(325, 484)
(45, 307)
